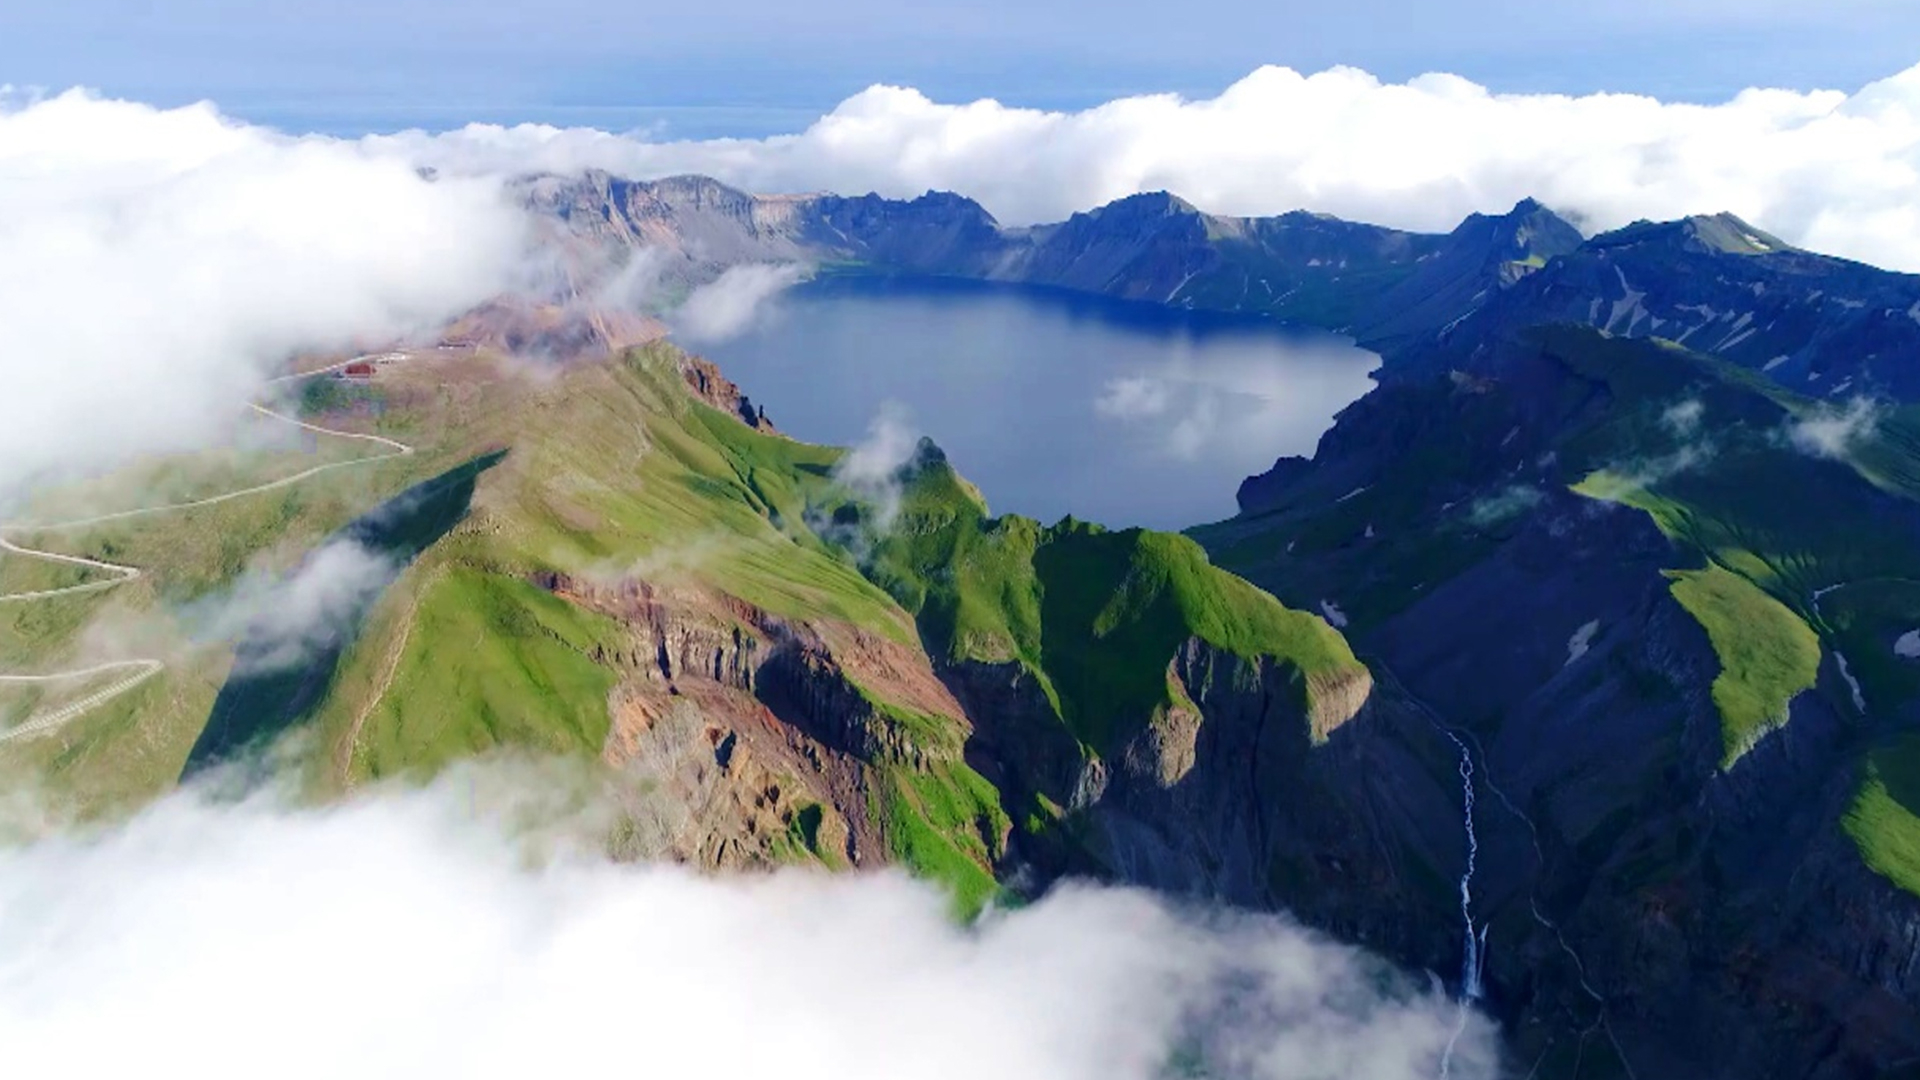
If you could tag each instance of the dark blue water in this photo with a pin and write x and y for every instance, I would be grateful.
(1051, 402)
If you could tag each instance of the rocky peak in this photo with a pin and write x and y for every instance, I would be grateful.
(697, 191)
(1721, 233)
(704, 379)
(1146, 205)
(952, 203)
(1528, 232)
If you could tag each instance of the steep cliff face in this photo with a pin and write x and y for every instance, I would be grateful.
(707, 384)
(1236, 793)
(770, 737)
(1348, 816)
(1661, 818)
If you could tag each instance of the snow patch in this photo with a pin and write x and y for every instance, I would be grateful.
(1628, 305)
(1182, 285)
(1352, 493)
(1853, 684)
(1369, 532)
(1908, 645)
(1842, 387)
(1734, 340)
(1773, 363)
(1335, 617)
(1581, 639)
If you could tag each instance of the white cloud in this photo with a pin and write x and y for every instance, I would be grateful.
(1133, 397)
(285, 619)
(634, 285)
(1824, 169)
(1191, 410)
(155, 263)
(1831, 433)
(404, 935)
(1514, 499)
(728, 305)
(871, 470)
(1683, 419)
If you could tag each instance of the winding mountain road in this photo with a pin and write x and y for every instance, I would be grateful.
(144, 668)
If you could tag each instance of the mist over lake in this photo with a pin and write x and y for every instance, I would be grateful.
(1053, 403)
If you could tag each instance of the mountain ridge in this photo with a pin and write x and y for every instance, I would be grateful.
(1713, 282)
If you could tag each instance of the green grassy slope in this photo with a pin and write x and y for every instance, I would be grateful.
(1884, 820)
(615, 471)
(1803, 552)
(1095, 615)
(1780, 554)
(132, 748)
(1767, 655)
(523, 676)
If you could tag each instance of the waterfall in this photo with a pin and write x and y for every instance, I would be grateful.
(1475, 949)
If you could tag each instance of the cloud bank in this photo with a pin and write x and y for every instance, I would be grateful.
(285, 620)
(872, 468)
(1824, 169)
(1190, 411)
(728, 305)
(155, 263)
(1832, 432)
(401, 935)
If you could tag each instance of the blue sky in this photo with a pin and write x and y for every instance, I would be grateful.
(754, 67)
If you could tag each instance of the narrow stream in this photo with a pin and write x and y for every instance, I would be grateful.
(1474, 950)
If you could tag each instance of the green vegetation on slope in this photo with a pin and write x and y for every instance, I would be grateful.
(1884, 819)
(1767, 654)
(614, 472)
(946, 824)
(622, 468)
(1779, 525)
(492, 661)
(1097, 616)
(1780, 553)
(1117, 607)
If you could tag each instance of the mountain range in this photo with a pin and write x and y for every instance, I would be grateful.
(1825, 326)
(1609, 575)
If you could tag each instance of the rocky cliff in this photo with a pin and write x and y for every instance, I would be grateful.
(1650, 869)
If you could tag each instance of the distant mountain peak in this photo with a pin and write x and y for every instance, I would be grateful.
(1150, 202)
(1530, 232)
(1724, 232)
